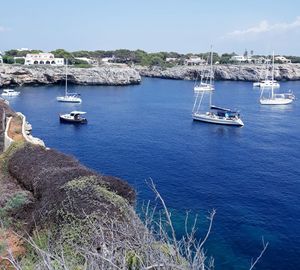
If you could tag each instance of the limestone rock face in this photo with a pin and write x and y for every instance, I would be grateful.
(223, 72)
(30, 75)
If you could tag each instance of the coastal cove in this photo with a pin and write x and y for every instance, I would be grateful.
(141, 131)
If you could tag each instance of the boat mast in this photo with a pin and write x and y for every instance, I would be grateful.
(272, 93)
(211, 65)
(66, 85)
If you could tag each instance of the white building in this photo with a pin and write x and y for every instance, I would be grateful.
(282, 59)
(194, 61)
(43, 59)
(171, 59)
(241, 59)
(1, 59)
(107, 60)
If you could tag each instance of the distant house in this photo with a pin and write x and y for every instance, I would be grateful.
(282, 60)
(1, 59)
(194, 61)
(23, 49)
(241, 59)
(171, 59)
(43, 59)
(107, 60)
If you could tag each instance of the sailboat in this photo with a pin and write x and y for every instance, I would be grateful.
(69, 97)
(206, 83)
(273, 98)
(216, 114)
(266, 83)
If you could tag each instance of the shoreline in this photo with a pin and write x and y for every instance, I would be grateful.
(247, 72)
(116, 75)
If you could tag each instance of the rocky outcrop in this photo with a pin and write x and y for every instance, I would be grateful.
(223, 72)
(17, 75)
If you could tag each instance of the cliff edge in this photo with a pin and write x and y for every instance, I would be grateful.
(18, 75)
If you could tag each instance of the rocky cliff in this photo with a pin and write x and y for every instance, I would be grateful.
(29, 75)
(223, 72)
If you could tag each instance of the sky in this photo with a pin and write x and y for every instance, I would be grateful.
(185, 26)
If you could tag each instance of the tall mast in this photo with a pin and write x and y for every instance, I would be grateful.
(211, 65)
(272, 93)
(66, 85)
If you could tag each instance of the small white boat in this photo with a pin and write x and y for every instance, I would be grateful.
(208, 84)
(69, 97)
(73, 117)
(275, 98)
(219, 116)
(269, 84)
(9, 93)
(204, 87)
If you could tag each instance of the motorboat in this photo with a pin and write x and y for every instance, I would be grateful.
(275, 98)
(74, 117)
(206, 82)
(9, 93)
(220, 116)
(69, 97)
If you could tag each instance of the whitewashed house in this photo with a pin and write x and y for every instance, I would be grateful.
(1, 59)
(194, 61)
(43, 59)
(282, 60)
(171, 59)
(240, 59)
(107, 60)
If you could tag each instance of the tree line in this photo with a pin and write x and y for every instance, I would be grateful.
(137, 57)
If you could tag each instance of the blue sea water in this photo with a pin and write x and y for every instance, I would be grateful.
(250, 175)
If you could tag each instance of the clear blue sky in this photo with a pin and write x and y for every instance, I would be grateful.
(156, 25)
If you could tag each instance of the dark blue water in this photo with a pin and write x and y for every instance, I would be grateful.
(250, 175)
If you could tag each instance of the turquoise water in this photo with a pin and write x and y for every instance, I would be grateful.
(250, 175)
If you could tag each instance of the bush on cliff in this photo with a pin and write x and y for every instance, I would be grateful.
(46, 173)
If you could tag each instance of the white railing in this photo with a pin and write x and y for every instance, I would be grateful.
(7, 140)
(29, 138)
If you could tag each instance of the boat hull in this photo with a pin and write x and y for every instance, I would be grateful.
(217, 120)
(204, 87)
(68, 100)
(276, 101)
(72, 121)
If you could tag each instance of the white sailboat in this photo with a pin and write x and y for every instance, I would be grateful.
(69, 97)
(215, 115)
(206, 83)
(266, 83)
(273, 98)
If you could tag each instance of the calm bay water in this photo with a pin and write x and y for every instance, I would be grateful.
(250, 175)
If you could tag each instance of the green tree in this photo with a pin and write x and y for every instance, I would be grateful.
(20, 61)
(8, 59)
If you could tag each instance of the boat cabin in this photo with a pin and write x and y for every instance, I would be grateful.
(223, 112)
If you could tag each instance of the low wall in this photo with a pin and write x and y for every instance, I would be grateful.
(29, 138)
(7, 140)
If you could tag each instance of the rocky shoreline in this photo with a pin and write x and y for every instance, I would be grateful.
(250, 72)
(19, 75)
